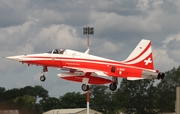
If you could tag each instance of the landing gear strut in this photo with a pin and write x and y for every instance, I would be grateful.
(85, 87)
(43, 78)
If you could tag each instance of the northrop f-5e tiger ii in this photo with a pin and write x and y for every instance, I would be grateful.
(89, 69)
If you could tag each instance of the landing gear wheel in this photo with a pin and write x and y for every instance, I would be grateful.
(85, 87)
(42, 78)
(113, 86)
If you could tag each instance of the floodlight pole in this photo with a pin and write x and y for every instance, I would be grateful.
(88, 31)
(88, 99)
(88, 40)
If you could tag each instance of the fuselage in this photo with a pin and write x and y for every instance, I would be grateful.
(90, 69)
(74, 59)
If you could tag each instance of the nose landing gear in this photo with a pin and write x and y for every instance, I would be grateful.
(43, 78)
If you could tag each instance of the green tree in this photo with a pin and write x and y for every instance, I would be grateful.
(9, 95)
(23, 99)
(132, 97)
(2, 90)
(101, 99)
(73, 100)
(166, 90)
(27, 104)
(173, 76)
(49, 103)
(166, 96)
(37, 91)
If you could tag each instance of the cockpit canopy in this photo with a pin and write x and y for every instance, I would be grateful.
(56, 51)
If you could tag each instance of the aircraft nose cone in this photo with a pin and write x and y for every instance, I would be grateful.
(16, 58)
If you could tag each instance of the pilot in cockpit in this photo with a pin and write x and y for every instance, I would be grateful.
(61, 51)
(57, 51)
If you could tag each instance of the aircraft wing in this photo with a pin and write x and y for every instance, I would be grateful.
(95, 72)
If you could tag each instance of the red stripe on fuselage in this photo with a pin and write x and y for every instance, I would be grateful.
(80, 59)
(57, 62)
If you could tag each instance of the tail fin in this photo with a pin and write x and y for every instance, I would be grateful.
(141, 55)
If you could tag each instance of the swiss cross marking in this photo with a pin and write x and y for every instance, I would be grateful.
(148, 61)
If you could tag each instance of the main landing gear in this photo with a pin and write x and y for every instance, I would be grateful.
(113, 85)
(85, 87)
(43, 78)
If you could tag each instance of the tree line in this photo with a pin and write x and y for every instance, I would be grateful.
(138, 97)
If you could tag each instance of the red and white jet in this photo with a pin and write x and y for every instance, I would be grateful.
(90, 69)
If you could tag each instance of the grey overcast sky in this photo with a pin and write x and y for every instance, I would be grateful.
(35, 26)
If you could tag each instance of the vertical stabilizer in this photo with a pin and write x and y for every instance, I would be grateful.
(141, 56)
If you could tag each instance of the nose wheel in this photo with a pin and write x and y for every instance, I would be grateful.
(85, 87)
(42, 78)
